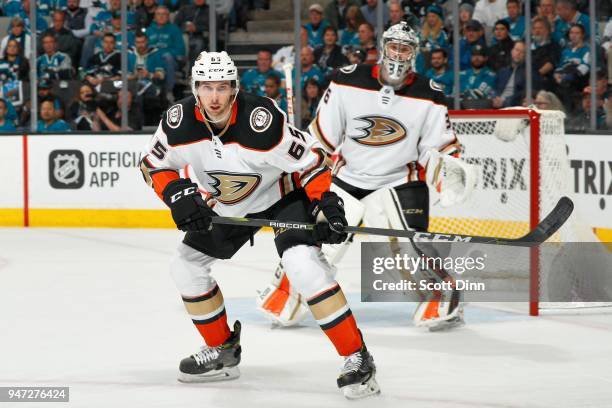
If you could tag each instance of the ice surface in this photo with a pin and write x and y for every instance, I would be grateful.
(96, 310)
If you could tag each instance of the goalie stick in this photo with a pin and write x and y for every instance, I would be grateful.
(544, 230)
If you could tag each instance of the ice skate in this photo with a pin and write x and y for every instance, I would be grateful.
(357, 378)
(213, 363)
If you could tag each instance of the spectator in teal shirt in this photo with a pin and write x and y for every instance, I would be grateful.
(168, 39)
(48, 122)
(439, 71)
(253, 81)
(5, 124)
(317, 25)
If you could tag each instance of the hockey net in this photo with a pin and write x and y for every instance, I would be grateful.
(524, 170)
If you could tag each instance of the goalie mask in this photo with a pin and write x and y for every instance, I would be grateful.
(399, 46)
(213, 66)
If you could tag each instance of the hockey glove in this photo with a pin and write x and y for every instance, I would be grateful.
(189, 211)
(330, 221)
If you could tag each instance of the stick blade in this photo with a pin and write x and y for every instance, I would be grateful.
(553, 221)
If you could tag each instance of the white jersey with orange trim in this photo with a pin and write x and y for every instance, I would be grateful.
(247, 167)
(382, 135)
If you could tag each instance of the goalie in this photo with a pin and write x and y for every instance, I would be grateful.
(390, 128)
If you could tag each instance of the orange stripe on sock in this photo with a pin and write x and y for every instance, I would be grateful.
(345, 336)
(216, 332)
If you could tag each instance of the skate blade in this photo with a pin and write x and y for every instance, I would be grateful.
(358, 391)
(448, 325)
(225, 374)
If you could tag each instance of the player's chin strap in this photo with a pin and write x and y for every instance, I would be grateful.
(451, 178)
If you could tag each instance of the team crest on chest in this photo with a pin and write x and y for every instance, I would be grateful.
(379, 131)
(174, 116)
(260, 119)
(231, 188)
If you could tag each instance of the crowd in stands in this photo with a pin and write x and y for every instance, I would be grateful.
(492, 52)
(79, 60)
(79, 64)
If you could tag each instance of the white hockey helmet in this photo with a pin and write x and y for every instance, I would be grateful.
(399, 45)
(213, 66)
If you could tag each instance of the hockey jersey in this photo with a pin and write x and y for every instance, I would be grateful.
(383, 136)
(249, 166)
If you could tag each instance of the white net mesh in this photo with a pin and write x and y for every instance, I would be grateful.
(500, 142)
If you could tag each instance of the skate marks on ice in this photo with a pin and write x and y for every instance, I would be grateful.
(96, 310)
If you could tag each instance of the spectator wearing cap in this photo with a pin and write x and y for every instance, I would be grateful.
(368, 10)
(474, 35)
(511, 80)
(316, 25)
(572, 73)
(367, 43)
(45, 92)
(516, 21)
(478, 81)
(335, 12)
(6, 125)
(568, 15)
(499, 52)
(432, 36)
(489, 11)
(66, 41)
(17, 32)
(254, 80)
(116, 31)
(545, 53)
(49, 122)
(329, 55)
(466, 11)
(53, 64)
(439, 71)
(350, 35)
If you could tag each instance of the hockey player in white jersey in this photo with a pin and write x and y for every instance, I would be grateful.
(250, 162)
(391, 131)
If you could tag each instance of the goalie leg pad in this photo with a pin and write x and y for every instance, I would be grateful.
(280, 302)
(403, 207)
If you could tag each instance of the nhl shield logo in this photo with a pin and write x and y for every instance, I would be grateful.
(66, 169)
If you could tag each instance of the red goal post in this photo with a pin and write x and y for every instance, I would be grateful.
(524, 170)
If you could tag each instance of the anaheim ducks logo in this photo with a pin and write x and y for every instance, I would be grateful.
(231, 188)
(379, 131)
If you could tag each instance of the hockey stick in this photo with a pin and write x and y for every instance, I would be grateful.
(288, 70)
(544, 230)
